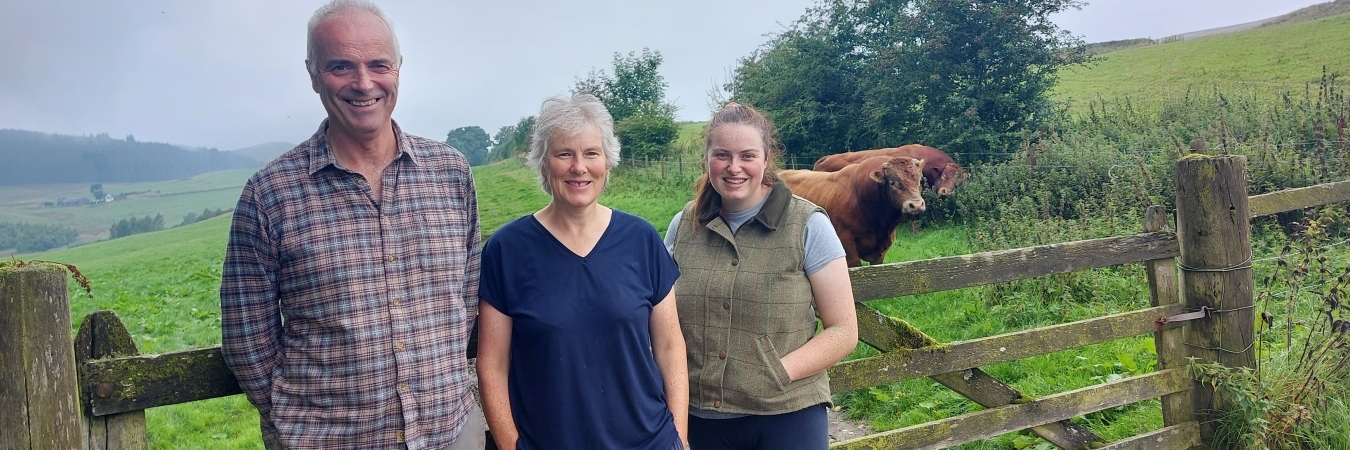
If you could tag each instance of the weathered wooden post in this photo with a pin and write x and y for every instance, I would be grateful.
(102, 335)
(1164, 290)
(39, 404)
(1216, 266)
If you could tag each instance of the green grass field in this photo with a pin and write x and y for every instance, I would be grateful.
(174, 199)
(1263, 61)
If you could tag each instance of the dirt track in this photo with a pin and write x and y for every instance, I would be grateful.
(842, 429)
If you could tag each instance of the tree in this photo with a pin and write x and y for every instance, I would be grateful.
(512, 140)
(134, 225)
(636, 81)
(962, 75)
(472, 141)
(97, 191)
(635, 97)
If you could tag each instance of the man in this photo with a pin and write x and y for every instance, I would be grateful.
(365, 240)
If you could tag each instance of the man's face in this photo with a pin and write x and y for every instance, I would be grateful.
(357, 74)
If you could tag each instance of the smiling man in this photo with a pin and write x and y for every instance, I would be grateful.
(350, 279)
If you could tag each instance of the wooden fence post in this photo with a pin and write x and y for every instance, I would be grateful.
(39, 404)
(1216, 264)
(102, 335)
(1164, 290)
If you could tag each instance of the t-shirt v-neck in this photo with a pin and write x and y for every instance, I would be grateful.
(558, 242)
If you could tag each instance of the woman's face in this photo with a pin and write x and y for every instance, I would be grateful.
(736, 161)
(576, 167)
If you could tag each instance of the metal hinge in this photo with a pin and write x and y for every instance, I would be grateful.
(1162, 321)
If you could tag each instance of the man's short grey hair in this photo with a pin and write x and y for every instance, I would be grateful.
(334, 8)
(570, 116)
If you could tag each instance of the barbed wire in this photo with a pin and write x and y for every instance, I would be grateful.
(1273, 258)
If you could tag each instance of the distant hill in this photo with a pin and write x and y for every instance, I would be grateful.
(1311, 13)
(40, 158)
(265, 153)
(1307, 14)
(1264, 61)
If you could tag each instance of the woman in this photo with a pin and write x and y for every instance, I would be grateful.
(754, 262)
(579, 345)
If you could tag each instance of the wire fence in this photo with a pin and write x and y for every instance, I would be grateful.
(1334, 161)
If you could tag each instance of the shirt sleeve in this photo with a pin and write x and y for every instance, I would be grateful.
(663, 268)
(821, 243)
(671, 231)
(474, 244)
(250, 318)
(490, 279)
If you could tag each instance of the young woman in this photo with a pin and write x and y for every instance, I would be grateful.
(757, 266)
(579, 345)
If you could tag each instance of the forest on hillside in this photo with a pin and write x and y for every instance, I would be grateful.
(36, 158)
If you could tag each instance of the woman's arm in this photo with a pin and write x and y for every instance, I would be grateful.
(839, 323)
(494, 364)
(668, 348)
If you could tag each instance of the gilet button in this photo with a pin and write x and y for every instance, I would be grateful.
(735, 261)
(722, 355)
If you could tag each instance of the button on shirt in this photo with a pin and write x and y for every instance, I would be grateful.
(378, 298)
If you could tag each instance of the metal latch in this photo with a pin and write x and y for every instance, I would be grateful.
(1162, 321)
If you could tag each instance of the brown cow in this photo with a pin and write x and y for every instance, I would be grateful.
(865, 201)
(941, 172)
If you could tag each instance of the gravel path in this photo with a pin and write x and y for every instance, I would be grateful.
(842, 429)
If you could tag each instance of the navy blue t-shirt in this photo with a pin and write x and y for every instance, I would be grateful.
(582, 373)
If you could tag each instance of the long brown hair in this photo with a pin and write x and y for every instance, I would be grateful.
(736, 113)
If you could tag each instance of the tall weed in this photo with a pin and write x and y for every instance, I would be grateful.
(1295, 397)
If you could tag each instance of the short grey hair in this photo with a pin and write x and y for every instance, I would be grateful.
(334, 8)
(570, 116)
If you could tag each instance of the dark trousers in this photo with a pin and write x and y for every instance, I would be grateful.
(804, 429)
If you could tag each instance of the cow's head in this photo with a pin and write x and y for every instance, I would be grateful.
(901, 177)
(952, 175)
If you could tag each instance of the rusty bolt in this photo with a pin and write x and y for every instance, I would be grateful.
(104, 390)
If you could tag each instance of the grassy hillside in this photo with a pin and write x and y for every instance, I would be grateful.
(174, 199)
(1266, 61)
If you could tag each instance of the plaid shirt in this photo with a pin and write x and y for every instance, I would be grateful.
(378, 299)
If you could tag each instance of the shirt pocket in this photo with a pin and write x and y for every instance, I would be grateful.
(761, 375)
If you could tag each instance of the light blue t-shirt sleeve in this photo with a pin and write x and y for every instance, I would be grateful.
(822, 243)
(670, 232)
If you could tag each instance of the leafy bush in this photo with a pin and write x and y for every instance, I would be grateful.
(648, 133)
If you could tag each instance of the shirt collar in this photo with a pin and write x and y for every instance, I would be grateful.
(321, 156)
(771, 215)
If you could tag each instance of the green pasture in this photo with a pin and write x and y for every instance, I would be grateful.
(174, 199)
(1263, 61)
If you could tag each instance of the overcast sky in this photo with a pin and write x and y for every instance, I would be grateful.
(230, 74)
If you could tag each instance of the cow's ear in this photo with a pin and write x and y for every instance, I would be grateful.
(918, 163)
(878, 176)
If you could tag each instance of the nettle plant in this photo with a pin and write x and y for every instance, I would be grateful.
(1296, 396)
